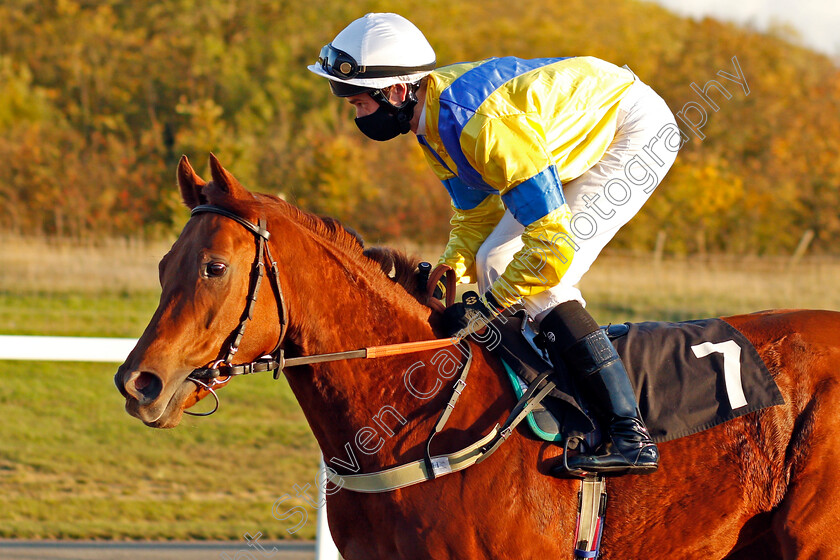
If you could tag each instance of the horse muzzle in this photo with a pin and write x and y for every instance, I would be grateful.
(147, 399)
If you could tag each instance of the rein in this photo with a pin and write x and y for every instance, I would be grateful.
(210, 377)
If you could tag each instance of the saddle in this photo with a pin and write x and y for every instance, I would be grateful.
(688, 377)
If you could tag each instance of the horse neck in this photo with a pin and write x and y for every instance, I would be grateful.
(341, 300)
(338, 302)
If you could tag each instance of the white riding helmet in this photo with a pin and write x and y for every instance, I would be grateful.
(374, 52)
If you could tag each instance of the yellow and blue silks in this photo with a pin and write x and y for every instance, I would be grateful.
(507, 133)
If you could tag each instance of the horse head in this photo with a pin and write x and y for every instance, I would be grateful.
(204, 280)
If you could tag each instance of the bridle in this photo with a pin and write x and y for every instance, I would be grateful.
(209, 377)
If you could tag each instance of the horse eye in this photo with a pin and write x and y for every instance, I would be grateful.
(215, 269)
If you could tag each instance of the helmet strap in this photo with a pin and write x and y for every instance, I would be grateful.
(405, 111)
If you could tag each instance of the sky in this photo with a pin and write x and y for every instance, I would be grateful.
(816, 21)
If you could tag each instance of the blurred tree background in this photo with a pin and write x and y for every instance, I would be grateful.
(98, 99)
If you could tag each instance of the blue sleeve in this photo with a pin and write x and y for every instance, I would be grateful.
(535, 198)
(463, 197)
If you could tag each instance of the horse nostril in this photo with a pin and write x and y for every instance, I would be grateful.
(118, 381)
(144, 386)
(142, 381)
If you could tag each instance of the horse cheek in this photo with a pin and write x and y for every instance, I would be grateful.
(209, 315)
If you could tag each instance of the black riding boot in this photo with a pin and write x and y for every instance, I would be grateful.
(601, 377)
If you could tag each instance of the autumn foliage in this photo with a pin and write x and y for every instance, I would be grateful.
(99, 99)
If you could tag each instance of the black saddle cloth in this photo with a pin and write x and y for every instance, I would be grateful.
(687, 376)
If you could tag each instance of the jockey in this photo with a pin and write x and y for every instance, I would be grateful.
(543, 161)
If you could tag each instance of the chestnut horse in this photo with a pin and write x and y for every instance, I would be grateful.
(763, 484)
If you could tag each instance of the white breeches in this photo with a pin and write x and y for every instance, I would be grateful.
(601, 200)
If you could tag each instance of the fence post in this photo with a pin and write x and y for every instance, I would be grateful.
(325, 548)
(807, 237)
(661, 236)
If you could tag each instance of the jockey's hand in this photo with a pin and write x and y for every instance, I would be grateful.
(424, 271)
(438, 293)
(470, 315)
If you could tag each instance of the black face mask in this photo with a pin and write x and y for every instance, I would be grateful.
(385, 124)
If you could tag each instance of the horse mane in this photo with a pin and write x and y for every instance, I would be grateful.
(396, 265)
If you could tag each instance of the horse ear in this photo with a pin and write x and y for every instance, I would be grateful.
(190, 184)
(226, 182)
